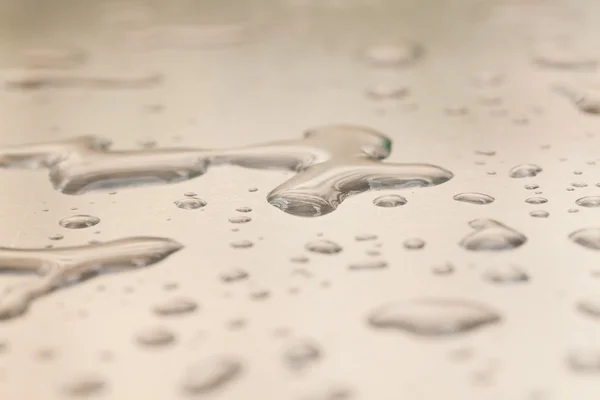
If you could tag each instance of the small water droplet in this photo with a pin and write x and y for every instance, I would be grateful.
(365, 237)
(391, 200)
(506, 274)
(240, 219)
(539, 214)
(190, 203)
(84, 385)
(243, 209)
(155, 336)
(79, 221)
(486, 152)
(234, 275)
(536, 200)
(190, 194)
(474, 198)
(175, 306)
(443, 269)
(562, 53)
(433, 317)
(211, 374)
(525, 171)
(394, 54)
(532, 186)
(572, 210)
(414, 244)
(302, 354)
(253, 189)
(589, 201)
(584, 360)
(323, 247)
(57, 236)
(491, 235)
(589, 306)
(387, 91)
(579, 184)
(368, 264)
(241, 244)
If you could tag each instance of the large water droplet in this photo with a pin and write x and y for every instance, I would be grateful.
(506, 274)
(79, 221)
(474, 198)
(433, 317)
(155, 336)
(589, 201)
(175, 306)
(190, 203)
(211, 374)
(491, 235)
(525, 171)
(390, 200)
(587, 237)
(323, 247)
(302, 354)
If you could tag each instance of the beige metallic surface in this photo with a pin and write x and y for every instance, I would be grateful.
(267, 70)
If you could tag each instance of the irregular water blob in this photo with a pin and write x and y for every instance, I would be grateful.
(190, 203)
(241, 244)
(61, 267)
(41, 81)
(390, 200)
(331, 163)
(243, 209)
(84, 385)
(414, 244)
(506, 274)
(234, 275)
(301, 354)
(584, 360)
(433, 317)
(323, 246)
(587, 237)
(155, 336)
(79, 221)
(211, 374)
(539, 214)
(394, 54)
(536, 200)
(175, 306)
(474, 198)
(240, 219)
(589, 201)
(368, 264)
(525, 171)
(491, 235)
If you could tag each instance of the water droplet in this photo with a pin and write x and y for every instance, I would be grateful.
(536, 200)
(433, 317)
(240, 219)
(443, 269)
(390, 200)
(243, 209)
(394, 55)
(260, 294)
(323, 247)
(506, 274)
(587, 237)
(57, 268)
(299, 259)
(577, 172)
(84, 385)
(234, 275)
(368, 264)
(474, 198)
(414, 244)
(589, 306)
(190, 194)
(175, 306)
(525, 171)
(365, 237)
(387, 91)
(572, 210)
(302, 354)
(532, 186)
(190, 203)
(155, 336)
(57, 236)
(584, 360)
(491, 235)
(211, 374)
(570, 189)
(253, 189)
(79, 221)
(589, 201)
(562, 53)
(579, 184)
(241, 244)
(488, 153)
(539, 214)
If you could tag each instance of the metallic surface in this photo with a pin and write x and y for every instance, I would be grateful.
(297, 64)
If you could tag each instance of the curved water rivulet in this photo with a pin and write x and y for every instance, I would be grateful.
(331, 163)
(60, 267)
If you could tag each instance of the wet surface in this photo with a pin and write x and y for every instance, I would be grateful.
(299, 199)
